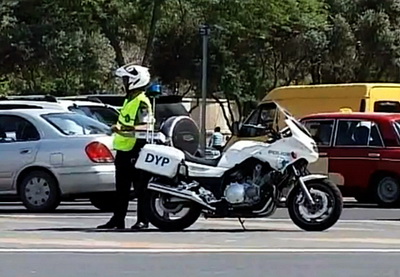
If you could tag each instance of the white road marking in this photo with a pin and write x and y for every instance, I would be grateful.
(200, 250)
(60, 243)
(250, 220)
(370, 240)
(262, 222)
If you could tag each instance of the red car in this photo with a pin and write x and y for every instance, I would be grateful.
(360, 152)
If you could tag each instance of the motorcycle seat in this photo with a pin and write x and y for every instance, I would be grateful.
(199, 160)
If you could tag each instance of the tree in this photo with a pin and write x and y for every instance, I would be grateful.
(255, 45)
(364, 41)
(67, 47)
(44, 50)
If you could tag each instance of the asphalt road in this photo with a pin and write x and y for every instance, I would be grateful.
(365, 242)
(194, 265)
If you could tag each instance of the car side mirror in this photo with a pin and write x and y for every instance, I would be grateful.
(7, 140)
(235, 128)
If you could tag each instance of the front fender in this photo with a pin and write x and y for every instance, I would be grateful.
(312, 177)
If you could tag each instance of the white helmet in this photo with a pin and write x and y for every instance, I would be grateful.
(133, 76)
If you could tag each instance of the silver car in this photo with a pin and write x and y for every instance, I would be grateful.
(50, 155)
(99, 111)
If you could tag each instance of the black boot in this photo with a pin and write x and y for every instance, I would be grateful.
(140, 226)
(113, 224)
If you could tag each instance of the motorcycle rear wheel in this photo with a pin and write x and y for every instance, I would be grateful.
(321, 216)
(163, 222)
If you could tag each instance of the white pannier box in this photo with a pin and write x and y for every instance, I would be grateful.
(160, 160)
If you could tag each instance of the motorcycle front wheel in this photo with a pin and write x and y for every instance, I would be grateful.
(169, 214)
(327, 208)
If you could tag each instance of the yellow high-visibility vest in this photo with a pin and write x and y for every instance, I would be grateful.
(127, 117)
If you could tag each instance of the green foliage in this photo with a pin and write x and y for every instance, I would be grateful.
(69, 47)
(255, 45)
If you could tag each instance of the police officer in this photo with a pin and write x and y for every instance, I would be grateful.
(135, 111)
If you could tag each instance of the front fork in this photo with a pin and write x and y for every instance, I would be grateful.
(303, 186)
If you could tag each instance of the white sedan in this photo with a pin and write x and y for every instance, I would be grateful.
(50, 155)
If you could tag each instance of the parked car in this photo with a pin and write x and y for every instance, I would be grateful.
(20, 104)
(50, 155)
(170, 113)
(99, 111)
(166, 105)
(114, 100)
(360, 152)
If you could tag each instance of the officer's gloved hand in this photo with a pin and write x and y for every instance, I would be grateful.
(114, 129)
(127, 129)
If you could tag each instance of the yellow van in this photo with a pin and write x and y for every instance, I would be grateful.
(304, 100)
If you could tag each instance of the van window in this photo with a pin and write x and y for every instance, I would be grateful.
(321, 131)
(362, 105)
(387, 106)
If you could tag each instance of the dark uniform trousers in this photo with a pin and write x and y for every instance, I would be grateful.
(125, 175)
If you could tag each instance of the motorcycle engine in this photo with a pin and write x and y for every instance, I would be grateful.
(236, 193)
(245, 190)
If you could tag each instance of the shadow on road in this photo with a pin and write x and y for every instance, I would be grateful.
(387, 219)
(366, 206)
(93, 230)
(82, 208)
(61, 211)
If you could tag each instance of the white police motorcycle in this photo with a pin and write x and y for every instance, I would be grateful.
(246, 181)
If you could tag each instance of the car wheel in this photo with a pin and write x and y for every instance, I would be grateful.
(39, 192)
(388, 192)
(105, 202)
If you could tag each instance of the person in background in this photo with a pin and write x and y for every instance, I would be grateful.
(136, 111)
(217, 139)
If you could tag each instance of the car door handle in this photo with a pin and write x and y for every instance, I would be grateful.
(374, 155)
(323, 154)
(25, 151)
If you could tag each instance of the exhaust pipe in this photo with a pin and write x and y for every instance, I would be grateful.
(185, 194)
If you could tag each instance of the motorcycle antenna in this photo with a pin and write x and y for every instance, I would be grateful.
(153, 91)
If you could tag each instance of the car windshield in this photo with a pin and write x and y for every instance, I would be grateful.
(75, 124)
(105, 115)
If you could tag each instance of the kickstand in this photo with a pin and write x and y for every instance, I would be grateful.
(242, 223)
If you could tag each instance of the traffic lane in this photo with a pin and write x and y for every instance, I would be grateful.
(351, 211)
(199, 264)
(66, 232)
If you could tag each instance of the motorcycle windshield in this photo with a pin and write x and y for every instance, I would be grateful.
(288, 116)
